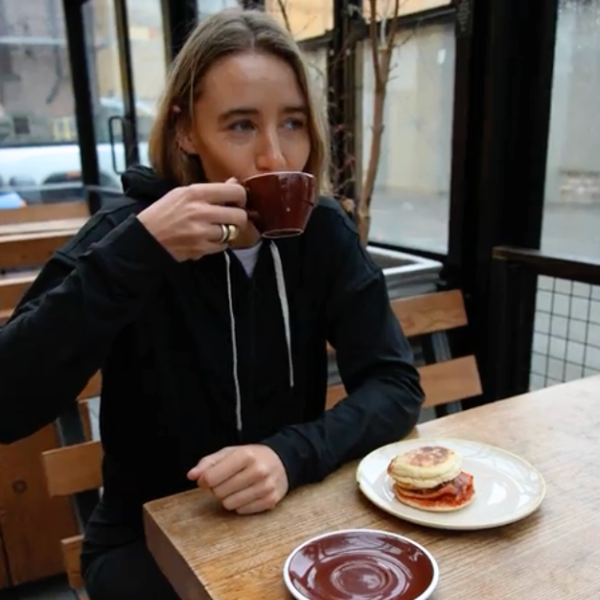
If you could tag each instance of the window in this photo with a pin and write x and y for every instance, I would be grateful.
(571, 221)
(38, 135)
(385, 8)
(304, 18)
(317, 68)
(36, 98)
(210, 7)
(411, 200)
(148, 64)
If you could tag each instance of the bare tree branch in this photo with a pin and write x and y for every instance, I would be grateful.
(374, 44)
(284, 14)
(382, 52)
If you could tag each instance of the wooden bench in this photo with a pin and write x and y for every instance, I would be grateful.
(30, 235)
(45, 212)
(31, 249)
(77, 468)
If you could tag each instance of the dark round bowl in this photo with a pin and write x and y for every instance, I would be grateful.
(360, 564)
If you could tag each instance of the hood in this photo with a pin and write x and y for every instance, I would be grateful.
(142, 184)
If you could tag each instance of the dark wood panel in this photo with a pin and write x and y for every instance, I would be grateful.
(4, 580)
(32, 523)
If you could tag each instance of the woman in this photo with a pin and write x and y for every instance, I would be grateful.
(203, 384)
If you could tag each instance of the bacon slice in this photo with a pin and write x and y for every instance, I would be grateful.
(453, 493)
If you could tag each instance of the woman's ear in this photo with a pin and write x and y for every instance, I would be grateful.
(184, 138)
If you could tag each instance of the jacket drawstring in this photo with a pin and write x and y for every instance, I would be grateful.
(285, 310)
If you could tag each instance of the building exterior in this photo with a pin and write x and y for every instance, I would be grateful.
(36, 100)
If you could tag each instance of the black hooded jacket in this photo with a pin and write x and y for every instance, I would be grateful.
(182, 346)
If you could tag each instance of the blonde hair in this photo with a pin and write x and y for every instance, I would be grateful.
(230, 31)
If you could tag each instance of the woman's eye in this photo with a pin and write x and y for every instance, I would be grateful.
(294, 124)
(242, 126)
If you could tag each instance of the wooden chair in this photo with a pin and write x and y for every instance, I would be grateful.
(73, 470)
(448, 380)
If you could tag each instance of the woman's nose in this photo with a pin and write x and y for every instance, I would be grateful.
(270, 155)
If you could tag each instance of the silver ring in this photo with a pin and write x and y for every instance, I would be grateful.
(224, 235)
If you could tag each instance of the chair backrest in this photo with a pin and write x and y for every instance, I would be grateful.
(443, 382)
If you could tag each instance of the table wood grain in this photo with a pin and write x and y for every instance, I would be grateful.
(553, 554)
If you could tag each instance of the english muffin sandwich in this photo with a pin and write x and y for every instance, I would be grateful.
(431, 478)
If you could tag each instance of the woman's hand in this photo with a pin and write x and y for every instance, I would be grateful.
(248, 479)
(187, 221)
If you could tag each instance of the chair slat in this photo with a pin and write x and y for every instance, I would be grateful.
(444, 382)
(73, 469)
(430, 313)
(71, 551)
(450, 381)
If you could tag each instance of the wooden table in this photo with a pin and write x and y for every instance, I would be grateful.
(553, 554)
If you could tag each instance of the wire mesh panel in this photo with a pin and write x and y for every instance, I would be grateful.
(566, 344)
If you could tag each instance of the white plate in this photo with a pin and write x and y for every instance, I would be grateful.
(507, 488)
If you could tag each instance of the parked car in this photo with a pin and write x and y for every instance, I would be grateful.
(41, 169)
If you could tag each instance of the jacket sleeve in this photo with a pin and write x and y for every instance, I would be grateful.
(375, 363)
(62, 329)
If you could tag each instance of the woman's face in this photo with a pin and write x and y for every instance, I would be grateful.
(250, 118)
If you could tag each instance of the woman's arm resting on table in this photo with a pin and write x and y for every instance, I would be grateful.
(62, 329)
(375, 361)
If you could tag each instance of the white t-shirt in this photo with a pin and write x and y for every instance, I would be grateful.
(248, 257)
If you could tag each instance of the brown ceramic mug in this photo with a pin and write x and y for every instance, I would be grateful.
(280, 203)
